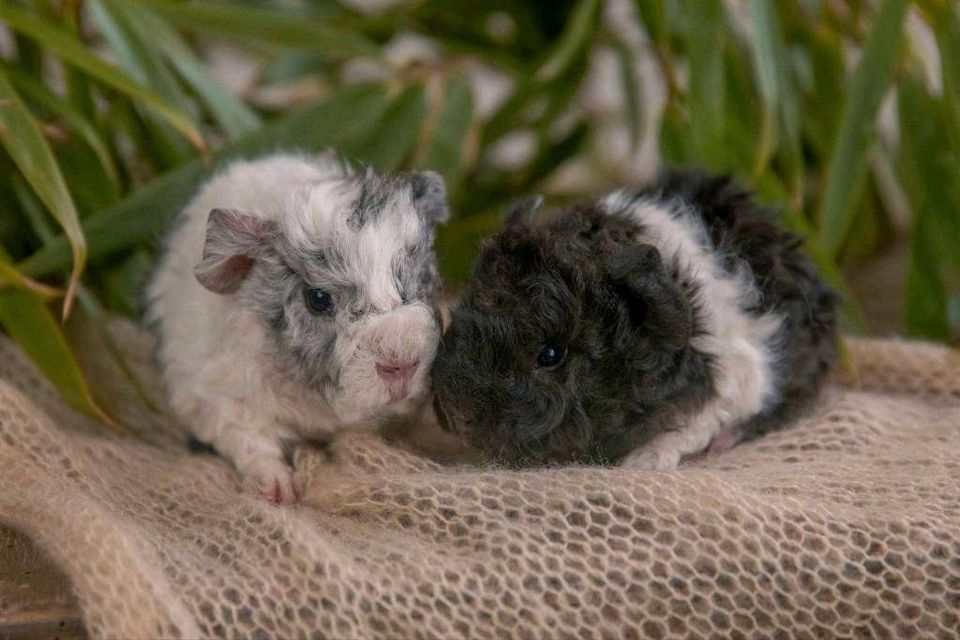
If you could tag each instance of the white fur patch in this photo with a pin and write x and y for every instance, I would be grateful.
(739, 343)
(218, 359)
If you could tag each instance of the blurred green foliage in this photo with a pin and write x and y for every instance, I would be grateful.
(110, 116)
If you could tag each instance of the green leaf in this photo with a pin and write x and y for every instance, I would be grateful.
(76, 54)
(945, 20)
(143, 61)
(566, 58)
(767, 50)
(654, 17)
(90, 187)
(121, 285)
(233, 115)
(559, 95)
(31, 325)
(79, 93)
(509, 115)
(926, 296)
(458, 241)
(675, 145)
(10, 276)
(249, 23)
(21, 137)
(32, 209)
(848, 160)
(146, 213)
(633, 105)
(136, 53)
(71, 116)
(824, 93)
(706, 29)
(446, 149)
(549, 157)
(395, 135)
(292, 65)
(576, 36)
(930, 175)
(739, 133)
(772, 67)
(99, 320)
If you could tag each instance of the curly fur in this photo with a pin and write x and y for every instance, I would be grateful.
(687, 316)
(246, 364)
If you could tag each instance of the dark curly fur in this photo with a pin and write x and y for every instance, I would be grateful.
(583, 279)
(788, 281)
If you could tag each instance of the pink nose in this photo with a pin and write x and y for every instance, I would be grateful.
(397, 376)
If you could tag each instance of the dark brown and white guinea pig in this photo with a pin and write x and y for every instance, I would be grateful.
(295, 298)
(640, 327)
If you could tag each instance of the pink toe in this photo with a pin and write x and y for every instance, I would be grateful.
(272, 493)
(722, 441)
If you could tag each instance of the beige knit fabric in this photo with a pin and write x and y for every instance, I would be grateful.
(846, 525)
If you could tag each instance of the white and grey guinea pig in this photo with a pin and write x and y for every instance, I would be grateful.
(295, 298)
(640, 327)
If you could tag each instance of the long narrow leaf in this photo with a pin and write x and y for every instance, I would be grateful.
(848, 160)
(135, 53)
(926, 298)
(233, 115)
(30, 324)
(76, 54)
(568, 52)
(705, 44)
(146, 213)
(140, 57)
(653, 13)
(72, 117)
(945, 21)
(10, 276)
(925, 308)
(580, 26)
(21, 137)
(458, 241)
(632, 103)
(79, 93)
(395, 135)
(931, 177)
(99, 320)
(247, 22)
(446, 149)
(772, 66)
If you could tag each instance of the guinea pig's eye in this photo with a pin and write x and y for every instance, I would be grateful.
(318, 301)
(550, 355)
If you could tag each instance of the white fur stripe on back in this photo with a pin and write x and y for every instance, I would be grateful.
(739, 343)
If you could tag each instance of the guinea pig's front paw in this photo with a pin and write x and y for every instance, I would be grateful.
(652, 460)
(273, 480)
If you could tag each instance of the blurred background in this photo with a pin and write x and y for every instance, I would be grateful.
(843, 114)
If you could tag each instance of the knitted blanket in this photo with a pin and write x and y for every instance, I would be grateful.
(846, 524)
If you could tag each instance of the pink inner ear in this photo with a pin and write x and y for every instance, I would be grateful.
(223, 275)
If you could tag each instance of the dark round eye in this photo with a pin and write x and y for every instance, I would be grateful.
(550, 355)
(318, 301)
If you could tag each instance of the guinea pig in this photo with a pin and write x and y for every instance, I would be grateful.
(639, 327)
(295, 298)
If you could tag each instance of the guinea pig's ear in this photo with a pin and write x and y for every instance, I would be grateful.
(522, 212)
(234, 241)
(656, 301)
(430, 196)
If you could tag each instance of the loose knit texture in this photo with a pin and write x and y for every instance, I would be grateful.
(847, 524)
